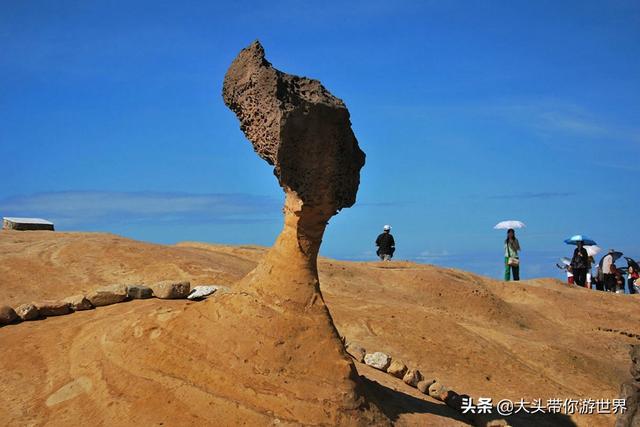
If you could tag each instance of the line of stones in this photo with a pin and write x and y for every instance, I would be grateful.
(106, 295)
(414, 378)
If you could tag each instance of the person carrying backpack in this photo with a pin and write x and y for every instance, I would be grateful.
(386, 244)
(580, 264)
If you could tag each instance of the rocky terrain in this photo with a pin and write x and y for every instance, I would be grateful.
(533, 339)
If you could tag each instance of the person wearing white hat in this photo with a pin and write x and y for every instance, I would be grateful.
(386, 244)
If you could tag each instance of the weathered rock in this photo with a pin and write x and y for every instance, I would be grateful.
(107, 295)
(629, 391)
(170, 289)
(397, 369)
(200, 292)
(139, 292)
(78, 302)
(356, 351)
(297, 126)
(53, 308)
(7, 315)
(635, 362)
(412, 377)
(438, 391)
(27, 312)
(377, 360)
(424, 385)
(499, 422)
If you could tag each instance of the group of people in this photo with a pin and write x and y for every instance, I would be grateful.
(386, 246)
(608, 277)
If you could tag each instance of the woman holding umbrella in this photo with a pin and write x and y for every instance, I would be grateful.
(511, 248)
(511, 258)
(580, 264)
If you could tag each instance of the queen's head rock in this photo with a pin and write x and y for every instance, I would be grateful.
(299, 127)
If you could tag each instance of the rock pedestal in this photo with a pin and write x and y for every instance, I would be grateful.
(268, 349)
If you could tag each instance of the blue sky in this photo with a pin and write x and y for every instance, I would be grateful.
(469, 113)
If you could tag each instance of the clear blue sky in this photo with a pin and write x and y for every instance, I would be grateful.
(469, 112)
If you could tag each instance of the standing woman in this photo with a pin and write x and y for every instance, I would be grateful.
(580, 264)
(511, 258)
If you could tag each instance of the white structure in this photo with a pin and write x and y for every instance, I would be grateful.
(13, 223)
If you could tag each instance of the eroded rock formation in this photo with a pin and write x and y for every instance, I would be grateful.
(297, 126)
(266, 350)
(630, 392)
(304, 131)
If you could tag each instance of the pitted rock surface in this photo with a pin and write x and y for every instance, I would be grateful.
(295, 124)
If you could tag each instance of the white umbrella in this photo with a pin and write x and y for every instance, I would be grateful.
(593, 250)
(505, 225)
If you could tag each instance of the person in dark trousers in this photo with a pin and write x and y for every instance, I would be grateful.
(580, 264)
(632, 276)
(511, 258)
(385, 243)
(598, 279)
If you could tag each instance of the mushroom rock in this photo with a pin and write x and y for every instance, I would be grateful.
(267, 349)
(304, 131)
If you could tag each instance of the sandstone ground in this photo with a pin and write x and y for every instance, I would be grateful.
(537, 339)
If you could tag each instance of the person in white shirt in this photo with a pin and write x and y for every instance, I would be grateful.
(609, 278)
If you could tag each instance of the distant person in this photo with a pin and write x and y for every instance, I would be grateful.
(580, 264)
(569, 275)
(608, 278)
(511, 258)
(618, 282)
(598, 279)
(589, 275)
(385, 243)
(632, 279)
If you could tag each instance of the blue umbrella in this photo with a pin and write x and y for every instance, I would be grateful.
(573, 240)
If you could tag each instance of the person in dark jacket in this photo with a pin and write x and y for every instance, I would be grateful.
(385, 243)
(580, 264)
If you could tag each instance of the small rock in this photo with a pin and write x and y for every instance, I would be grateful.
(27, 312)
(78, 303)
(356, 351)
(397, 369)
(378, 360)
(424, 385)
(107, 295)
(200, 292)
(139, 292)
(53, 308)
(7, 315)
(497, 423)
(438, 391)
(412, 377)
(169, 289)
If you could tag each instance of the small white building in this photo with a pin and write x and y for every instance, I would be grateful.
(13, 223)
